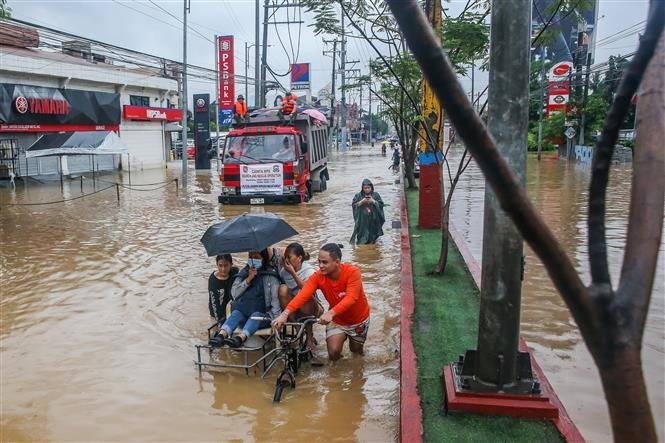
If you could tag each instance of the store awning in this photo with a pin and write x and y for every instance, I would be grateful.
(77, 143)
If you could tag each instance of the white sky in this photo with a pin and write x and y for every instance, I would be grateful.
(142, 26)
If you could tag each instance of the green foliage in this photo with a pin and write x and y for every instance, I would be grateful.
(554, 12)
(547, 145)
(466, 39)
(5, 10)
(595, 112)
(554, 127)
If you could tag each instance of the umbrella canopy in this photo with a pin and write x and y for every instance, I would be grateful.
(247, 232)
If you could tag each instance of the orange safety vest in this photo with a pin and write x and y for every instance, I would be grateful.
(240, 108)
(288, 105)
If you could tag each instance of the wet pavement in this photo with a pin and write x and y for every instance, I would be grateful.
(102, 304)
(559, 190)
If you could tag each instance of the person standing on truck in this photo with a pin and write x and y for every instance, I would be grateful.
(342, 287)
(288, 110)
(240, 116)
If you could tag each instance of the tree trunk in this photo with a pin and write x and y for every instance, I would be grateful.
(445, 238)
(626, 395)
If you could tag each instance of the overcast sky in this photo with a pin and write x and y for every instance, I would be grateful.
(143, 26)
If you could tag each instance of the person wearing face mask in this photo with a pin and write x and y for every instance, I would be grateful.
(255, 293)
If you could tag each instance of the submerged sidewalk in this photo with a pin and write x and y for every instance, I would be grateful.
(444, 324)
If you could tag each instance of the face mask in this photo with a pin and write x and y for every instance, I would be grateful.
(255, 263)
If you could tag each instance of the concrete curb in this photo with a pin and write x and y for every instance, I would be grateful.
(410, 413)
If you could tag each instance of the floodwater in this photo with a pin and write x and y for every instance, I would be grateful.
(559, 190)
(102, 304)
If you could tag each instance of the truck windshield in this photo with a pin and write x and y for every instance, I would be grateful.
(263, 148)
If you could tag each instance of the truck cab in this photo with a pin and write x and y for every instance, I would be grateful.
(265, 162)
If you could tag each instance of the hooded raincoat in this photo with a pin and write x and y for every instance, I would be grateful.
(369, 218)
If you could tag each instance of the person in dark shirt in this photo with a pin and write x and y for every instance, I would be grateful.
(219, 287)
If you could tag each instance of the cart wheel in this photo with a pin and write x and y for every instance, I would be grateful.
(281, 384)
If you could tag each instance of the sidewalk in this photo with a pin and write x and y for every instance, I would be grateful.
(445, 323)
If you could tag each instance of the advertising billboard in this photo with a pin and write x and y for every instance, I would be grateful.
(226, 72)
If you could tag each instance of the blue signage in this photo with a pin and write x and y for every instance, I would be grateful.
(225, 117)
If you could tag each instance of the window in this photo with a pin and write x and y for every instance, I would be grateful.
(139, 100)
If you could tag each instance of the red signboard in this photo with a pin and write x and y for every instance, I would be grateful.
(55, 128)
(146, 113)
(226, 74)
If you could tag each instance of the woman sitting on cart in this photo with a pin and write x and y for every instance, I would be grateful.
(255, 294)
(295, 271)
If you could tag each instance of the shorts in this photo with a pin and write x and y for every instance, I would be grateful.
(357, 332)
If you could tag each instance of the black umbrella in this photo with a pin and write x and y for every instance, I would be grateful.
(247, 232)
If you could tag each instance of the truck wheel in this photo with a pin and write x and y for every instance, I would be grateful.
(324, 184)
(308, 191)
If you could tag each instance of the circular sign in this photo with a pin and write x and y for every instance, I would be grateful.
(558, 99)
(21, 104)
(200, 103)
(561, 70)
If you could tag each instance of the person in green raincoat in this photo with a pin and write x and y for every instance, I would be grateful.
(368, 214)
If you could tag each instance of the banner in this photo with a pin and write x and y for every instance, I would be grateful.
(226, 73)
(300, 76)
(149, 113)
(35, 105)
(202, 131)
(263, 178)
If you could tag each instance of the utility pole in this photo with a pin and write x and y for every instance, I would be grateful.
(584, 99)
(370, 104)
(497, 365)
(261, 100)
(540, 106)
(246, 68)
(257, 83)
(343, 69)
(332, 87)
(185, 11)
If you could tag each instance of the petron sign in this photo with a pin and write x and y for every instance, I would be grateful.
(26, 108)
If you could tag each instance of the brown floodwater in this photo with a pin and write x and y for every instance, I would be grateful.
(102, 304)
(559, 190)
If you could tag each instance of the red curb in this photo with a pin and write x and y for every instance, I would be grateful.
(563, 423)
(410, 417)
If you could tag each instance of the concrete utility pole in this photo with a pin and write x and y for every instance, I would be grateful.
(540, 106)
(185, 11)
(370, 104)
(264, 57)
(342, 109)
(585, 96)
(496, 364)
(332, 87)
(257, 83)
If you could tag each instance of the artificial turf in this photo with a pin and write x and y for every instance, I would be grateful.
(445, 325)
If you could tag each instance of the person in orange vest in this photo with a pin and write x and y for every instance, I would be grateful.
(240, 115)
(289, 109)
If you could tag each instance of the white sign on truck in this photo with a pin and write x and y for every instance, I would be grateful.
(262, 178)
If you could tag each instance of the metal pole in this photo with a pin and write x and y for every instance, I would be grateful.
(264, 56)
(473, 85)
(540, 107)
(343, 68)
(584, 99)
(257, 85)
(185, 10)
(371, 141)
(246, 68)
(332, 91)
(496, 367)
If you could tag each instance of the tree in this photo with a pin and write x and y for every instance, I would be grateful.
(610, 320)
(5, 10)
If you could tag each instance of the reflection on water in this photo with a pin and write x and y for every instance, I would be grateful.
(102, 303)
(559, 191)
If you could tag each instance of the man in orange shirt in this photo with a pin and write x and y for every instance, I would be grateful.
(348, 313)
(240, 116)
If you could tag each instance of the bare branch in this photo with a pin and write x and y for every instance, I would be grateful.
(645, 225)
(513, 198)
(602, 157)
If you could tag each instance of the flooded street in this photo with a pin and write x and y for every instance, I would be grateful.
(102, 304)
(560, 192)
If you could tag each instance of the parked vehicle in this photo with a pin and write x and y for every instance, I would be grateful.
(191, 150)
(265, 162)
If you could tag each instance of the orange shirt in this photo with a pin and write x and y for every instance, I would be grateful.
(240, 108)
(345, 295)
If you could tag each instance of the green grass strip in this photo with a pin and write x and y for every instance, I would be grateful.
(446, 325)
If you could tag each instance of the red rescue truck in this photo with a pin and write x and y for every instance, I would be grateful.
(266, 162)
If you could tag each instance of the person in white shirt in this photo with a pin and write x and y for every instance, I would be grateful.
(295, 270)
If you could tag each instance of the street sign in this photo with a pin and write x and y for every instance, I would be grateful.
(570, 132)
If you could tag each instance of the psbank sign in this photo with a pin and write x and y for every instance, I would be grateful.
(145, 113)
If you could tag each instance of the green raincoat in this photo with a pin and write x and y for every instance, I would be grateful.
(369, 218)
